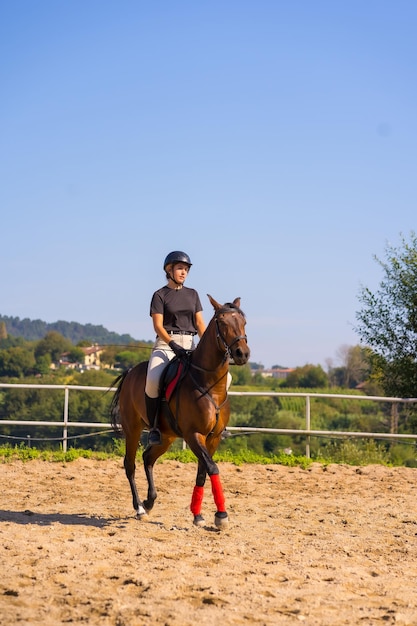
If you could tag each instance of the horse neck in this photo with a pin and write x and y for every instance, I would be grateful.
(208, 354)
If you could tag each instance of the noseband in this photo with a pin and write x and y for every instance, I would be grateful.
(220, 338)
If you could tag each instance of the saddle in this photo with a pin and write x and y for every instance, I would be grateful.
(172, 376)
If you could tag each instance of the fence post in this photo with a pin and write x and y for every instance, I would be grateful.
(394, 418)
(65, 431)
(308, 426)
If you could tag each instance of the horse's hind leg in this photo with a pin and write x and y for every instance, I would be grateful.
(150, 455)
(132, 442)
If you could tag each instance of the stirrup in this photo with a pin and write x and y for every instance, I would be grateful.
(154, 437)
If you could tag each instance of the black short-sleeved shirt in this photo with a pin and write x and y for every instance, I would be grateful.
(178, 307)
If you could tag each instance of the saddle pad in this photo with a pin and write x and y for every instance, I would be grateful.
(173, 383)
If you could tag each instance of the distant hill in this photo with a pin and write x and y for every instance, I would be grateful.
(33, 330)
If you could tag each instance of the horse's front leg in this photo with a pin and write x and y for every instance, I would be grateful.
(198, 494)
(198, 445)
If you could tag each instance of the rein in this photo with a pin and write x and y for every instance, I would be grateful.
(206, 392)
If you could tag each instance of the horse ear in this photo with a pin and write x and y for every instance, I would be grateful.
(236, 302)
(215, 304)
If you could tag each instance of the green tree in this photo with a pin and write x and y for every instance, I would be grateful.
(127, 358)
(75, 355)
(355, 368)
(114, 355)
(387, 322)
(16, 362)
(53, 344)
(257, 378)
(43, 364)
(264, 414)
(241, 375)
(308, 376)
(11, 341)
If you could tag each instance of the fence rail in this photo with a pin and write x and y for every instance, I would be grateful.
(308, 432)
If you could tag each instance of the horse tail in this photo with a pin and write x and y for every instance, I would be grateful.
(114, 405)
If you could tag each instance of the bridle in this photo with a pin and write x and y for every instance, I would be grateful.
(227, 347)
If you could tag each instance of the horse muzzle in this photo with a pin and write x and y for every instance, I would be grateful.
(240, 354)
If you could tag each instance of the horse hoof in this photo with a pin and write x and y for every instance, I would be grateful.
(141, 513)
(148, 505)
(221, 519)
(199, 521)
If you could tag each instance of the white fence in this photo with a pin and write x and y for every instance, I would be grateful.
(66, 423)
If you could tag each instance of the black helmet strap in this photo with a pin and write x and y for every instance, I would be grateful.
(171, 275)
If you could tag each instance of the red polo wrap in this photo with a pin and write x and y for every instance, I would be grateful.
(197, 500)
(217, 490)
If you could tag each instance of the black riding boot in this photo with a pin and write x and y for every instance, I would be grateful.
(154, 437)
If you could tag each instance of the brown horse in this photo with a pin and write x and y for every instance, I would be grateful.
(198, 409)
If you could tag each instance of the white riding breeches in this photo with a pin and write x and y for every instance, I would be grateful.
(161, 355)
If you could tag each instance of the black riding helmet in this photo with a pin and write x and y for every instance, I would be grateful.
(177, 257)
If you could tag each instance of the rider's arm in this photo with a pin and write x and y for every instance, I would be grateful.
(158, 319)
(199, 323)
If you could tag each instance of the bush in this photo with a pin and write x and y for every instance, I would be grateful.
(355, 453)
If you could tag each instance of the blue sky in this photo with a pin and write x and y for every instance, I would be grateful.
(274, 141)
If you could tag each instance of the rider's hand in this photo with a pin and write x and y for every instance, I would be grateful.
(179, 351)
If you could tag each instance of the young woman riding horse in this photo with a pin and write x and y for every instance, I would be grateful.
(177, 317)
(197, 410)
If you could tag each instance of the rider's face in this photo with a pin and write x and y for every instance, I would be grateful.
(180, 271)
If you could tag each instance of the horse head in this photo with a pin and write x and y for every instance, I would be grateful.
(230, 327)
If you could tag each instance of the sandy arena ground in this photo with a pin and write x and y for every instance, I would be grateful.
(324, 546)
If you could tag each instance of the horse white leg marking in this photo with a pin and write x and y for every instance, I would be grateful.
(141, 512)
